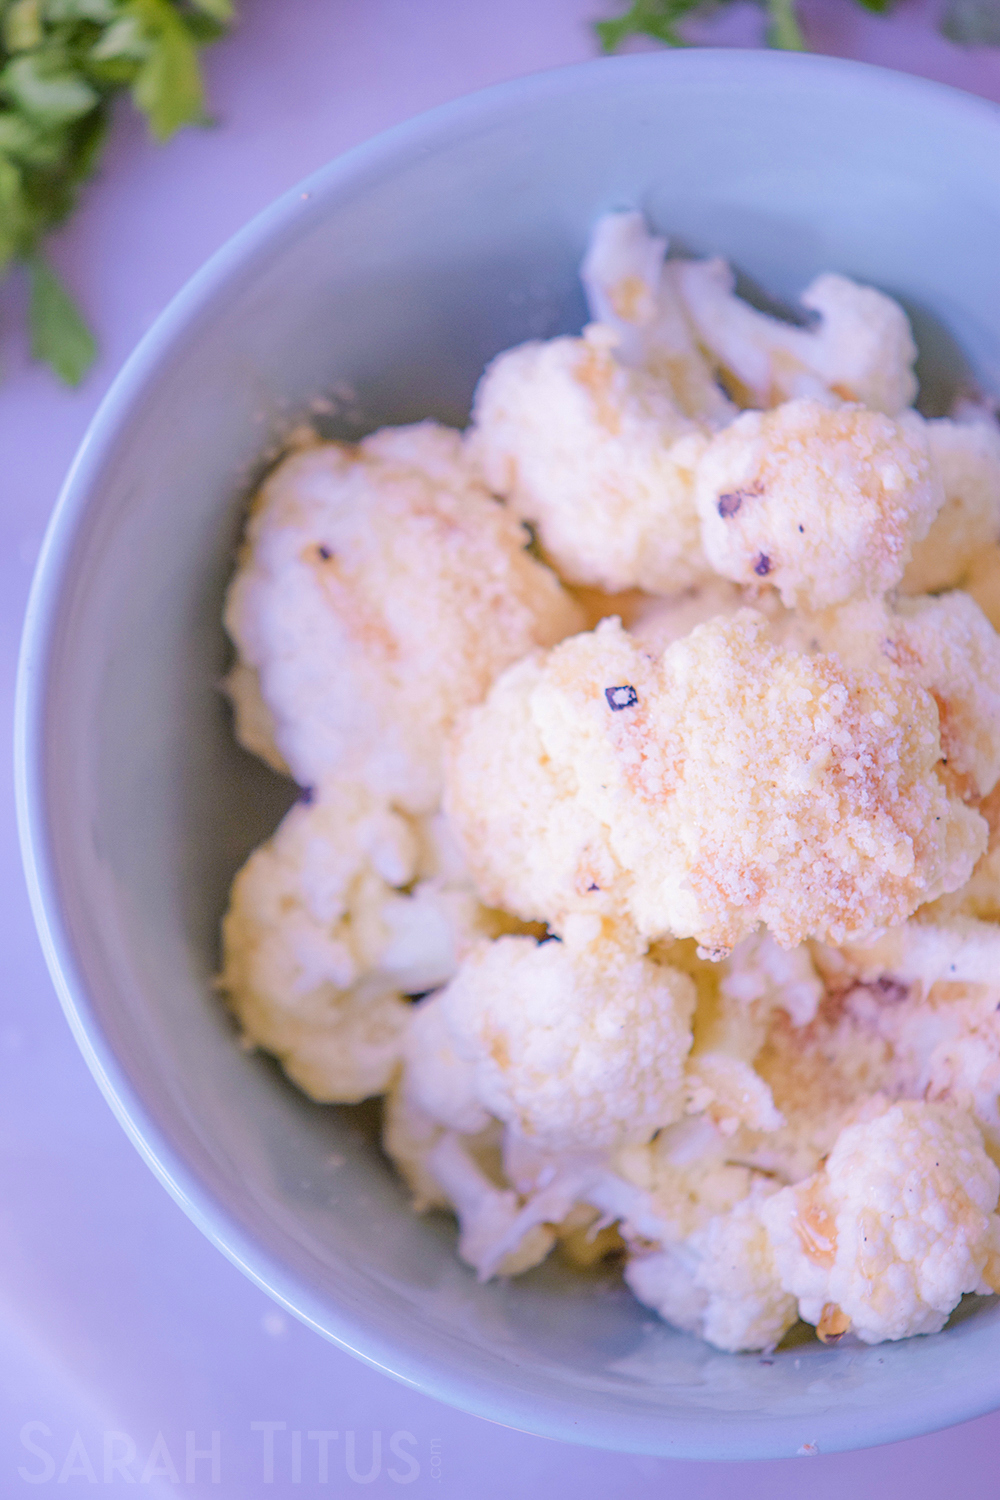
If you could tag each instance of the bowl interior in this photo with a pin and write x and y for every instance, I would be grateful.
(383, 285)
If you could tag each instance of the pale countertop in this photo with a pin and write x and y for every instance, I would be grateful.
(119, 1321)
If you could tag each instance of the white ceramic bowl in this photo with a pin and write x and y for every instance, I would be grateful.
(398, 271)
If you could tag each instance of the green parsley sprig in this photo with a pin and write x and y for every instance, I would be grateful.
(61, 64)
(974, 22)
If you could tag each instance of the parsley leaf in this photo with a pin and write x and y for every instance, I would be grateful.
(62, 62)
(659, 18)
(783, 28)
(219, 10)
(59, 336)
(655, 18)
(168, 85)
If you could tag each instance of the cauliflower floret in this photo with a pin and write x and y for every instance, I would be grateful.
(729, 1090)
(391, 562)
(947, 645)
(320, 943)
(758, 972)
(943, 1033)
(927, 951)
(693, 1250)
(822, 504)
(409, 1135)
(980, 896)
(860, 350)
(253, 722)
(731, 782)
(657, 1193)
(911, 1016)
(983, 584)
(631, 290)
(721, 1283)
(734, 1002)
(502, 1232)
(493, 1236)
(579, 1048)
(597, 457)
(896, 1228)
(967, 457)
(440, 1082)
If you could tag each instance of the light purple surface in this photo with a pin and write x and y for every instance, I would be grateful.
(117, 1318)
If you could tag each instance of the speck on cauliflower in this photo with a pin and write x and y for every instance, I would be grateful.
(730, 782)
(581, 1049)
(381, 590)
(966, 456)
(860, 349)
(320, 941)
(822, 504)
(896, 1228)
(597, 457)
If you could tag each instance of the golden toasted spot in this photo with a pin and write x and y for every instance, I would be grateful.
(595, 372)
(833, 1324)
(496, 1046)
(628, 297)
(816, 1229)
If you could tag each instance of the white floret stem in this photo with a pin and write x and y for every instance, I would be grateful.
(468, 1188)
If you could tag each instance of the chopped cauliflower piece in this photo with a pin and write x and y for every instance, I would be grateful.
(597, 457)
(759, 971)
(966, 455)
(665, 1191)
(728, 1090)
(320, 942)
(822, 504)
(730, 1026)
(911, 1016)
(486, 1215)
(927, 952)
(253, 722)
(896, 1228)
(381, 590)
(983, 584)
(580, 1048)
(861, 349)
(947, 645)
(631, 290)
(979, 897)
(437, 1079)
(409, 1135)
(721, 1283)
(729, 783)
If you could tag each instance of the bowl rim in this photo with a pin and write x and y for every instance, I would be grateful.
(680, 1438)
